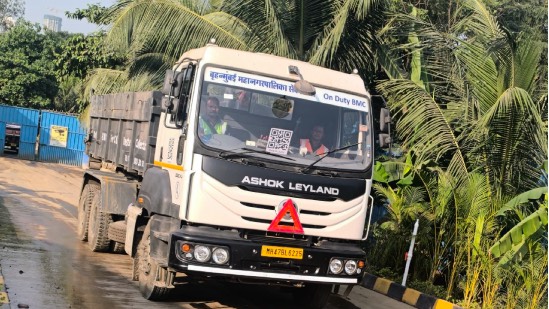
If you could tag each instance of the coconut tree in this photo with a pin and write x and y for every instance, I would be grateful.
(472, 106)
(338, 34)
(152, 35)
(479, 107)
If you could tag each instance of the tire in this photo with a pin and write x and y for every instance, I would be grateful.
(147, 270)
(313, 296)
(98, 240)
(84, 205)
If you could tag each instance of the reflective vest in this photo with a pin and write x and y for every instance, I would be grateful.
(219, 127)
(307, 144)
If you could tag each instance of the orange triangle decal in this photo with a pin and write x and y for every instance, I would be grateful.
(294, 229)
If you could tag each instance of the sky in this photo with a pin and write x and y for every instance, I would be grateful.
(36, 9)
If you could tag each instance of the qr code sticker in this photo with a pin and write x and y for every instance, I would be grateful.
(279, 141)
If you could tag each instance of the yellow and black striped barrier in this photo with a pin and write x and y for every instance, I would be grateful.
(3, 295)
(404, 294)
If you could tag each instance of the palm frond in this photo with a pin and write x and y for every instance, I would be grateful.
(482, 74)
(528, 56)
(266, 20)
(422, 125)
(481, 23)
(136, 29)
(153, 63)
(514, 142)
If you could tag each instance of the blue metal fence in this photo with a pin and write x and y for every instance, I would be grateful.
(2, 136)
(28, 120)
(66, 144)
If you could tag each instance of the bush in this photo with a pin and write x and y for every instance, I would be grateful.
(428, 288)
(387, 273)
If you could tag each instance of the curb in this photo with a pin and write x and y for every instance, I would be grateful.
(406, 295)
(4, 300)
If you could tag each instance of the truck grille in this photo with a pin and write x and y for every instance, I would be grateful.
(308, 226)
(278, 238)
(269, 207)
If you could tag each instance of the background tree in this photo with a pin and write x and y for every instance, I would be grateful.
(27, 74)
(472, 112)
(10, 9)
(335, 34)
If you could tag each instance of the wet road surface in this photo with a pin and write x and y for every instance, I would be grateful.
(45, 266)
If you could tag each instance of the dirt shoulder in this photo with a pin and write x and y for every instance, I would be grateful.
(45, 183)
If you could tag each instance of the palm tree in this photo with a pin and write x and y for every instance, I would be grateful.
(339, 34)
(472, 106)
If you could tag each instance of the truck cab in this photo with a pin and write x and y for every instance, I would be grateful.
(252, 168)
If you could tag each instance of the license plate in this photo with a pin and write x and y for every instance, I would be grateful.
(282, 252)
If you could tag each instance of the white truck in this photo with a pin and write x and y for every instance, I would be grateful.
(218, 175)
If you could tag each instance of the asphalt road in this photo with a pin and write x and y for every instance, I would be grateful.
(45, 266)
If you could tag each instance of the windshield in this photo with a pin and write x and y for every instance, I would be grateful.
(240, 113)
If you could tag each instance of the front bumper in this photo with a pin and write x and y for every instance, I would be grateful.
(246, 261)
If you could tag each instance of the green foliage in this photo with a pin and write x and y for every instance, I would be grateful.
(10, 9)
(428, 287)
(521, 231)
(80, 54)
(481, 119)
(520, 16)
(94, 13)
(27, 75)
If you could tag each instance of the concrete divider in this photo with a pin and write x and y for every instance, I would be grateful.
(405, 295)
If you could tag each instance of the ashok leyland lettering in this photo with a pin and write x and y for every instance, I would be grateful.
(243, 203)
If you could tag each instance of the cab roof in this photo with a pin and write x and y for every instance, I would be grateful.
(277, 67)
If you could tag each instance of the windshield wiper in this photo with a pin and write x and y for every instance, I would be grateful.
(230, 154)
(308, 167)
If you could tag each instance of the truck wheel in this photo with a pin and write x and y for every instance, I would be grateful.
(313, 296)
(147, 270)
(84, 205)
(97, 229)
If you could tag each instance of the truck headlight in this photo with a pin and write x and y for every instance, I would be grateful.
(350, 267)
(202, 253)
(220, 255)
(336, 266)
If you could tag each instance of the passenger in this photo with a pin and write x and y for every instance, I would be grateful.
(313, 145)
(211, 123)
(243, 100)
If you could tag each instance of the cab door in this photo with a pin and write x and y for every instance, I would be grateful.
(173, 130)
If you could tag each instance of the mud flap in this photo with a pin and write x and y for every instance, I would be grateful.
(131, 221)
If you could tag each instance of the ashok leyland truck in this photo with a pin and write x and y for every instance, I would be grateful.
(246, 167)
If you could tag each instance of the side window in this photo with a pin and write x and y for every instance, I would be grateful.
(180, 112)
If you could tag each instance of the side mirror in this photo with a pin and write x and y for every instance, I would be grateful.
(384, 120)
(384, 140)
(173, 81)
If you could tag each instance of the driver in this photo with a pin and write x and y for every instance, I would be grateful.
(211, 123)
(313, 145)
